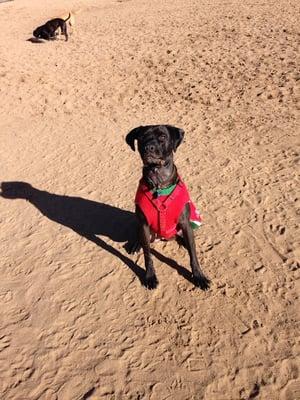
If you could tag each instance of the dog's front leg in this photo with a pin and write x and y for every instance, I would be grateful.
(144, 237)
(51, 35)
(200, 279)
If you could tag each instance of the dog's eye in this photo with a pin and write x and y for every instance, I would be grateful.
(162, 138)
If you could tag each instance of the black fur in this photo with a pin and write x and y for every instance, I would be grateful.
(48, 30)
(156, 145)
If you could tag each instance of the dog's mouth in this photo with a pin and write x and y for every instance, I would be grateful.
(149, 160)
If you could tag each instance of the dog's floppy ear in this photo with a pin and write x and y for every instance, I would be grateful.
(177, 135)
(133, 135)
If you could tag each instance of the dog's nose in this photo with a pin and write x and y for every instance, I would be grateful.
(150, 148)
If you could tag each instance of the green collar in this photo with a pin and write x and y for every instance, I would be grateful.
(164, 192)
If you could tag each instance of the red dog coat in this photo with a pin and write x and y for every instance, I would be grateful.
(163, 211)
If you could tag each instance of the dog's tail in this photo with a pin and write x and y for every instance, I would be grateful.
(68, 17)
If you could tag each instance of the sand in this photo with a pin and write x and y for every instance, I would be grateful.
(75, 319)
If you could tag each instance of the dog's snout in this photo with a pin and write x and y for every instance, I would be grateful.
(150, 148)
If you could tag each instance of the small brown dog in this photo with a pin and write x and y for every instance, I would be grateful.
(48, 31)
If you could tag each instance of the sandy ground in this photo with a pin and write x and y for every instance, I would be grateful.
(76, 321)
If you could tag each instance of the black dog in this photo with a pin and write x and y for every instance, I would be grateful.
(156, 145)
(48, 30)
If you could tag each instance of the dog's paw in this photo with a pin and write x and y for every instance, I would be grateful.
(201, 281)
(151, 282)
(132, 247)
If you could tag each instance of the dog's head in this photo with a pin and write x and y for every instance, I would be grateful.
(38, 32)
(156, 143)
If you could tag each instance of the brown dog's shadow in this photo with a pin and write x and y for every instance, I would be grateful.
(89, 219)
(35, 40)
(38, 40)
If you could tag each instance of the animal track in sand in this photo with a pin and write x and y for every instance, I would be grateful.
(4, 342)
(6, 296)
(75, 321)
(279, 229)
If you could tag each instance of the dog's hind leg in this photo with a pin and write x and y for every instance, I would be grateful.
(64, 31)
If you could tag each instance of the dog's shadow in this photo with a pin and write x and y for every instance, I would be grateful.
(39, 41)
(35, 40)
(89, 219)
